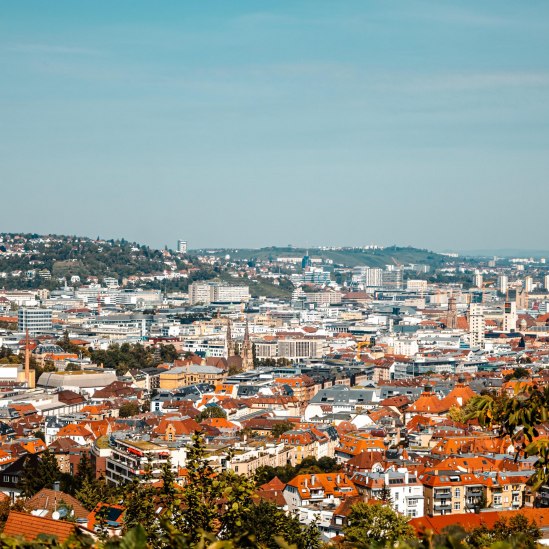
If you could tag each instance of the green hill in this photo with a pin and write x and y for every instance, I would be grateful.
(348, 257)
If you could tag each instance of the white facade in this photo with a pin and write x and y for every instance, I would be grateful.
(476, 324)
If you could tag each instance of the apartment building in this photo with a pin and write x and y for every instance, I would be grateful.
(134, 459)
(404, 489)
(452, 492)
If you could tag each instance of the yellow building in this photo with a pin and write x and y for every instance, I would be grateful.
(183, 376)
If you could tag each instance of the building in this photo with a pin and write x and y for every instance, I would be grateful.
(476, 325)
(478, 280)
(130, 460)
(392, 278)
(205, 293)
(36, 321)
(182, 376)
(181, 246)
(419, 286)
(452, 492)
(503, 283)
(510, 316)
(528, 284)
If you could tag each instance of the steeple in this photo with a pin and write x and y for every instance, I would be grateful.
(246, 352)
(229, 340)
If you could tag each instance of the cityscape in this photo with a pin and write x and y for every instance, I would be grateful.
(274, 275)
(329, 384)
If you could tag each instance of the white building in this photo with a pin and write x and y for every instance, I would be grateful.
(36, 321)
(476, 325)
(181, 246)
(503, 283)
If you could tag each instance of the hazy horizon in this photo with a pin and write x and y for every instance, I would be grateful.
(245, 125)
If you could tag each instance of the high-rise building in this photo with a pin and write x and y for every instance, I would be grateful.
(476, 325)
(36, 321)
(477, 280)
(392, 278)
(546, 282)
(528, 284)
(503, 283)
(510, 316)
(181, 246)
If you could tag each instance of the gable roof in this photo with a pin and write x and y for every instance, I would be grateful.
(30, 527)
(52, 499)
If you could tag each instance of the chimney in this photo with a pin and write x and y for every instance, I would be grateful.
(56, 486)
(27, 359)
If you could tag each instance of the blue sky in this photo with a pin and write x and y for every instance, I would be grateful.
(261, 123)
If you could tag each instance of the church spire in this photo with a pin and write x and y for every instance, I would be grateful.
(229, 340)
(247, 350)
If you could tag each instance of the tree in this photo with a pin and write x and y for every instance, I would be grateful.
(517, 531)
(129, 409)
(267, 523)
(518, 373)
(40, 472)
(281, 428)
(376, 523)
(213, 502)
(211, 412)
(518, 418)
(94, 491)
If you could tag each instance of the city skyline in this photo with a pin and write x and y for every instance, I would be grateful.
(245, 125)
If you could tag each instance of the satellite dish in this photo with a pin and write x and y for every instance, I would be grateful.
(55, 515)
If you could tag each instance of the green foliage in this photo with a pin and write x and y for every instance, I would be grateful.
(281, 428)
(268, 524)
(518, 373)
(517, 531)
(39, 473)
(210, 412)
(368, 524)
(309, 465)
(131, 356)
(519, 418)
(129, 409)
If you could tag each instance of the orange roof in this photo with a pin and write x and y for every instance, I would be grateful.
(333, 484)
(428, 402)
(30, 527)
(469, 521)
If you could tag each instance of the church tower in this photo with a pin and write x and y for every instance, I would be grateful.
(229, 342)
(246, 351)
(451, 317)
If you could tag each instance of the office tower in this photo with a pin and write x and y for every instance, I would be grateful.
(476, 325)
(392, 278)
(503, 283)
(36, 321)
(477, 280)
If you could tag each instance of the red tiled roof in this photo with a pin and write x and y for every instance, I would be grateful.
(30, 527)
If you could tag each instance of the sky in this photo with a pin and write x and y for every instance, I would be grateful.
(258, 123)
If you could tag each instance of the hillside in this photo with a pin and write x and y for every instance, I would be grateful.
(349, 257)
(64, 256)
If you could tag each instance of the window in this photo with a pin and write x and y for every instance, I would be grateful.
(457, 505)
(457, 493)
